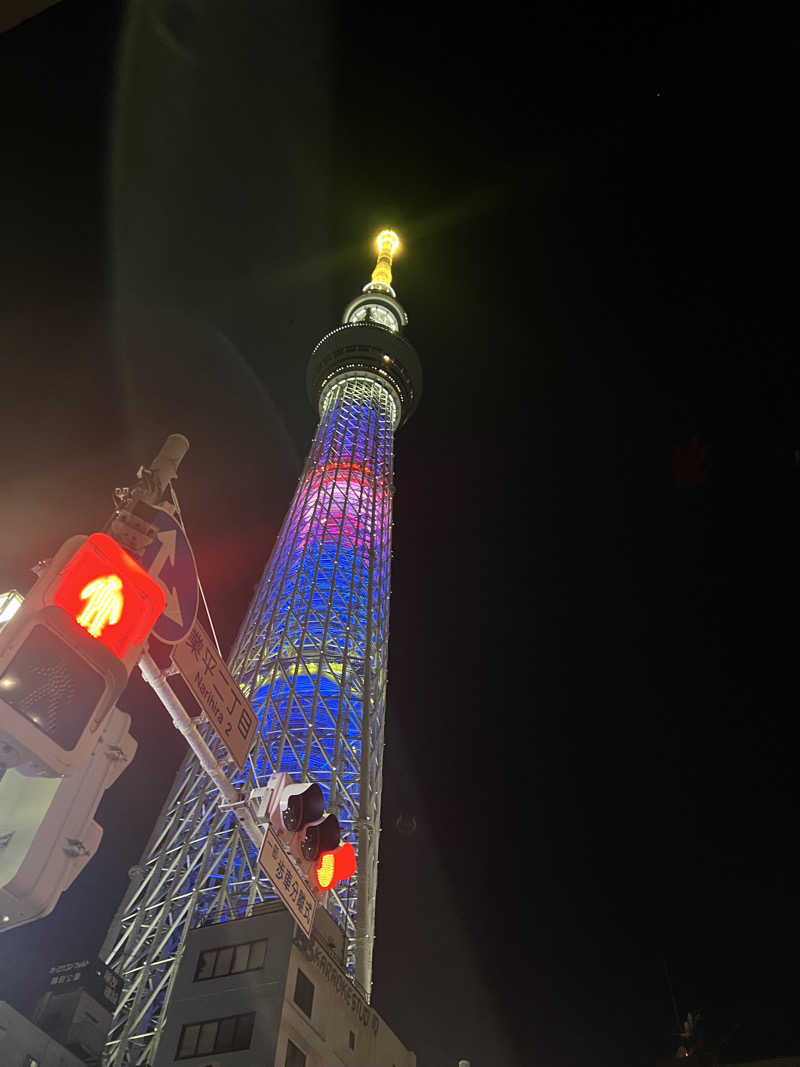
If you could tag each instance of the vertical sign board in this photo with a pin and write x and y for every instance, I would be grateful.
(291, 887)
(213, 687)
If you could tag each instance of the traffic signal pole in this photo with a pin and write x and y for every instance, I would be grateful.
(183, 721)
(131, 523)
(155, 480)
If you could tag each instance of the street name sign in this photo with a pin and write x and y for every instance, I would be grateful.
(290, 886)
(215, 690)
(170, 560)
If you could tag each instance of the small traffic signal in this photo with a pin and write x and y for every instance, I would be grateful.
(66, 655)
(301, 810)
(321, 837)
(297, 813)
(304, 804)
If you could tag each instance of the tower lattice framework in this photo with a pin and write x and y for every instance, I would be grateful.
(311, 655)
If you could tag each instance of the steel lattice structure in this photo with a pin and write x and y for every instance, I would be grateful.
(311, 655)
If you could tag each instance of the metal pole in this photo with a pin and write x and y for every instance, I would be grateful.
(131, 523)
(164, 467)
(182, 720)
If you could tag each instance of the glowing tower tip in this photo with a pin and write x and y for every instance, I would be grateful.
(387, 243)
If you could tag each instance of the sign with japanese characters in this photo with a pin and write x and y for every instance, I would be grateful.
(96, 977)
(66, 973)
(290, 886)
(215, 690)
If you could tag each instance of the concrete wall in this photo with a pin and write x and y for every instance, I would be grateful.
(21, 1039)
(338, 1011)
(257, 991)
(74, 1019)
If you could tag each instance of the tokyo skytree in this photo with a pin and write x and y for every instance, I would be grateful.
(311, 655)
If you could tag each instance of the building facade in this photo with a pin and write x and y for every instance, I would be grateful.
(24, 1044)
(70, 1021)
(256, 991)
(311, 655)
(77, 1020)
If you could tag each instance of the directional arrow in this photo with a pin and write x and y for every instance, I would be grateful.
(169, 559)
(166, 552)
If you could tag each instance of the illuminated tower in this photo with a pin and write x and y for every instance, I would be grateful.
(311, 655)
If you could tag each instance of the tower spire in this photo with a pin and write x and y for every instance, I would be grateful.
(377, 304)
(387, 243)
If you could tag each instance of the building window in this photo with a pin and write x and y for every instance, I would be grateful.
(232, 959)
(294, 1057)
(304, 993)
(352, 1039)
(231, 1034)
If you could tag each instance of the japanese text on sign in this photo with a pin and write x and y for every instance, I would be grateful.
(215, 690)
(96, 977)
(291, 887)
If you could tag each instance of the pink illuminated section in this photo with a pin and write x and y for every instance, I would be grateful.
(340, 504)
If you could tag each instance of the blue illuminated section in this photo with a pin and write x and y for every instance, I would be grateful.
(311, 654)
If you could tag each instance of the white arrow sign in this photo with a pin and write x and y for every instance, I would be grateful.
(166, 552)
(169, 558)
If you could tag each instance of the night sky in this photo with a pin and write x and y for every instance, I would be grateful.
(593, 665)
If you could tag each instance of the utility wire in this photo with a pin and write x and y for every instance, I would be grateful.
(199, 583)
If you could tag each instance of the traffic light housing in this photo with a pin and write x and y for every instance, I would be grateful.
(312, 838)
(321, 837)
(300, 809)
(47, 828)
(300, 805)
(66, 655)
(55, 689)
(109, 595)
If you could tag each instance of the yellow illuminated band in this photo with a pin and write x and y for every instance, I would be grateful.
(387, 243)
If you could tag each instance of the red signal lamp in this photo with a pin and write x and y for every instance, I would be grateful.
(336, 866)
(108, 594)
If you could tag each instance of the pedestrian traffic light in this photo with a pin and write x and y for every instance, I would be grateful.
(47, 828)
(335, 866)
(109, 595)
(66, 655)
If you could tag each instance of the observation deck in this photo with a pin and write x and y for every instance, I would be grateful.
(366, 349)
